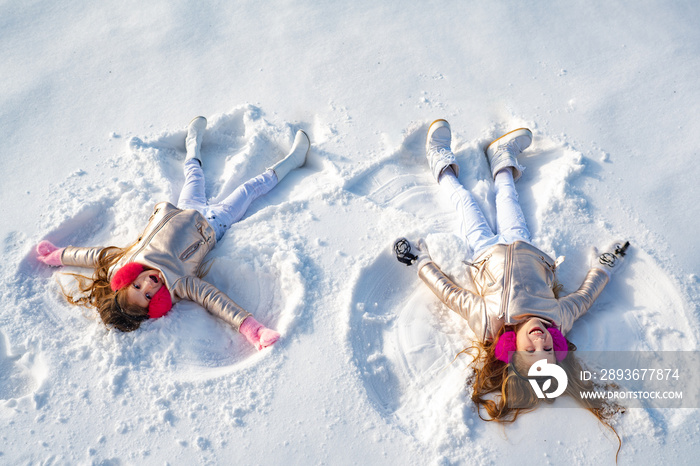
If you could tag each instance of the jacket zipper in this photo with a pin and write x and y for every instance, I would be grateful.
(190, 250)
(195, 246)
(550, 266)
(506, 280)
(153, 233)
(200, 228)
(483, 273)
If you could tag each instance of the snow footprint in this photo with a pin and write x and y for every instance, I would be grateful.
(21, 374)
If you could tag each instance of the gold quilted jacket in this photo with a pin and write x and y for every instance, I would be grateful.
(175, 242)
(513, 283)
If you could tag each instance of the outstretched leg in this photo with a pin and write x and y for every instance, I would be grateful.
(510, 221)
(192, 195)
(221, 216)
(502, 155)
(472, 224)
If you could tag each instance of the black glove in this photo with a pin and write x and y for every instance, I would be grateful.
(403, 250)
(612, 259)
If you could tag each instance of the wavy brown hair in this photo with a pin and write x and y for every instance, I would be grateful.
(502, 391)
(113, 308)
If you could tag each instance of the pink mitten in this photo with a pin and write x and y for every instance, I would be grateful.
(257, 334)
(49, 254)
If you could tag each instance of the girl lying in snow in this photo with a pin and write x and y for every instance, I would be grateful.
(516, 313)
(167, 262)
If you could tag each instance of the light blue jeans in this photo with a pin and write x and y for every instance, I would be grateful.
(510, 221)
(224, 214)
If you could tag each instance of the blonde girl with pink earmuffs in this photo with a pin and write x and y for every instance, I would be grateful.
(516, 311)
(167, 262)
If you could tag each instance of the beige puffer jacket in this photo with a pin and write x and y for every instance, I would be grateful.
(175, 242)
(513, 283)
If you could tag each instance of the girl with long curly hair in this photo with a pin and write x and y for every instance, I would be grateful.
(167, 262)
(514, 307)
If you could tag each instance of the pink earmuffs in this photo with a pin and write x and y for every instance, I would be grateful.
(506, 345)
(161, 302)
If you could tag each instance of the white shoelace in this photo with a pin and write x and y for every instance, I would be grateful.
(442, 154)
(511, 145)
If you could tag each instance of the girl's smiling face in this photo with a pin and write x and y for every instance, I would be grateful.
(144, 288)
(534, 341)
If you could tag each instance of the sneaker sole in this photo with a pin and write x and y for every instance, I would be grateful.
(524, 131)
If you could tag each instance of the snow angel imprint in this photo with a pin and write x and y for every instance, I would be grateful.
(167, 262)
(516, 311)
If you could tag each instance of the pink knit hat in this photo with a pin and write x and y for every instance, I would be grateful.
(160, 303)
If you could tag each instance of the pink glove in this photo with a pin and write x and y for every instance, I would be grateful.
(49, 254)
(257, 334)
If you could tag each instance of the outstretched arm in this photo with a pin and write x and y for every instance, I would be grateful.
(54, 256)
(212, 299)
(576, 304)
(80, 257)
(465, 303)
(603, 266)
(219, 304)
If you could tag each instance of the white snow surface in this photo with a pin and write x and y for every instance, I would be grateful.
(95, 98)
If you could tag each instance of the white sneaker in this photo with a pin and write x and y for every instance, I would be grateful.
(437, 149)
(193, 141)
(296, 157)
(503, 152)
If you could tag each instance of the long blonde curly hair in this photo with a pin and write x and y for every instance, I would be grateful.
(500, 389)
(95, 291)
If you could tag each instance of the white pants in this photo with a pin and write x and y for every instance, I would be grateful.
(224, 214)
(510, 221)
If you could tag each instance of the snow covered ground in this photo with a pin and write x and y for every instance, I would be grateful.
(95, 98)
